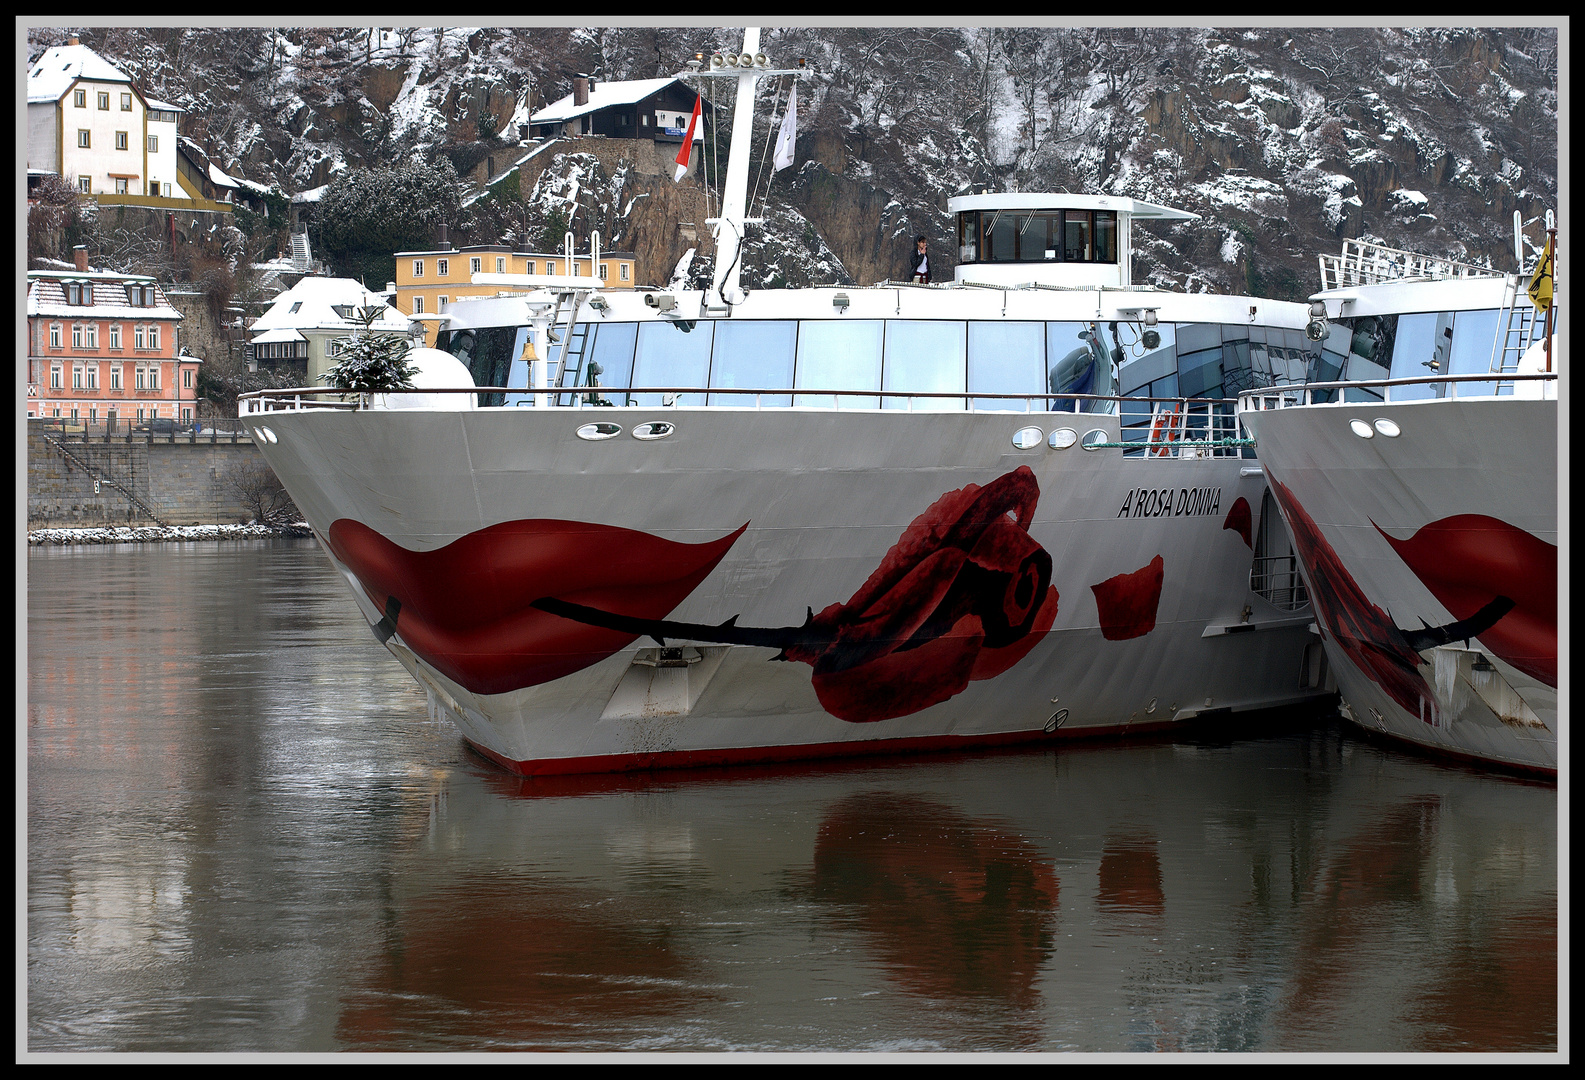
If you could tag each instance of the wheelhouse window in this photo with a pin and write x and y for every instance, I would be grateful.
(1086, 236)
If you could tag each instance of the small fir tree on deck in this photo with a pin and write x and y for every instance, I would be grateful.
(372, 363)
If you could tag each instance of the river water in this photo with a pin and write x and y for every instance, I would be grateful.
(244, 833)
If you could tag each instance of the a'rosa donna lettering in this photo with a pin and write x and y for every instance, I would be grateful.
(1167, 502)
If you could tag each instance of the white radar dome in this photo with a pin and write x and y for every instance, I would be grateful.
(438, 370)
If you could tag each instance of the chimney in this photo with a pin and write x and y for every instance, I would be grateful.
(71, 40)
(80, 253)
(440, 237)
(580, 90)
(390, 287)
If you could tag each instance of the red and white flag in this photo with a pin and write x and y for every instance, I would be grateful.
(685, 158)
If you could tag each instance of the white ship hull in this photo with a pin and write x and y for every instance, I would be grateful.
(839, 534)
(1424, 528)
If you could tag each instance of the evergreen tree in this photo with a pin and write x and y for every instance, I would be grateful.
(370, 362)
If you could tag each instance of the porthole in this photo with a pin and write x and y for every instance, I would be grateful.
(1062, 438)
(1362, 429)
(597, 432)
(1093, 439)
(1388, 428)
(655, 429)
(1028, 438)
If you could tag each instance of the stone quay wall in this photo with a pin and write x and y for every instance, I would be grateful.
(182, 480)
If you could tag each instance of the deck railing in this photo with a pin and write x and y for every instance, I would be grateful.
(1365, 263)
(1178, 428)
(1384, 391)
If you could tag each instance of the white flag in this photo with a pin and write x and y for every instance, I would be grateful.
(685, 160)
(789, 132)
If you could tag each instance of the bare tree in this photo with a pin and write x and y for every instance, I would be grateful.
(255, 485)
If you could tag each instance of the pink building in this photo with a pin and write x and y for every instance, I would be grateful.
(100, 344)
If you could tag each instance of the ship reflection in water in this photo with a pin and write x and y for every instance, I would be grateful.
(244, 834)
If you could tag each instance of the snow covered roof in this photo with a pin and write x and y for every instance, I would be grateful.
(47, 298)
(311, 305)
(604, 95)
(63, 65)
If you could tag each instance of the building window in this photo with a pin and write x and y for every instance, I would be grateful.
(93, 376)
(624, 271)
(80, 98)
(418, 267)
(84, 185)
(121, 140)
(605, 272)
(55, 335)
(121, 186)
(104, 100)
(154, 338)
(141, 377)
(115, 377)
(187, 414)
(187, 378)
(440, 305)
(77, 376)
(93, 414)
(126, 102)
(531, 266)
(154, 377)
(154, 188)
(77, 337)
(83, 139)
(55, 377)
(137, 337)
(418, 305)
(474, 265)
(115, 335)
(91, 337)
(154, 144)
(167, 191)
(440, 267)
(79, 293)
(500, 265)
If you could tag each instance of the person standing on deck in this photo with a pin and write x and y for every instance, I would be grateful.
(919, 266)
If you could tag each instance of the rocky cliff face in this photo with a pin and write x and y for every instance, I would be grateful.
(1284, 141)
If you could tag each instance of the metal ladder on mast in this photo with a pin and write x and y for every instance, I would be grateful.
(1518, 330)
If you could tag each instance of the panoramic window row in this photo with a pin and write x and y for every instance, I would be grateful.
(997, 236)
(871, 361)
(1420, 345)
(878, 362)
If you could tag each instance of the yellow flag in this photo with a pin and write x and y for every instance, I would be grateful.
(1541, 283)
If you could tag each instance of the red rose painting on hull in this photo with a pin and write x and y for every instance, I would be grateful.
(964, 594)
(1128, 602)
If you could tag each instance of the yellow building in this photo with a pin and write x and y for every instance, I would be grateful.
(427, 282)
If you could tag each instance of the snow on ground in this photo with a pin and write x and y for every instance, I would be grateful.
(156, 534)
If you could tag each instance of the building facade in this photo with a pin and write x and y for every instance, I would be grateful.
(427, 282)
(302, 330)
(104, 345)
(656, 109)
(89, 123)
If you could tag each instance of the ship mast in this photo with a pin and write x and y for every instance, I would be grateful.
(747, 67)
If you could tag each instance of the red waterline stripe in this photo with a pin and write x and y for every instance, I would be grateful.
(749, 755)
